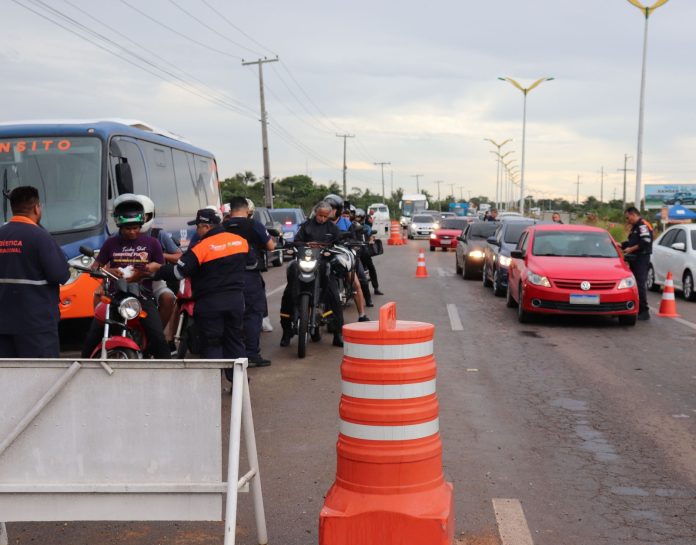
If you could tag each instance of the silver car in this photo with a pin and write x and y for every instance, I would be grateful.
(421, 226)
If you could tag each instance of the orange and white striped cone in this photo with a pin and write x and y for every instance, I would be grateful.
(421, 271)
(395, 234)
(389, 488)
(668, 306)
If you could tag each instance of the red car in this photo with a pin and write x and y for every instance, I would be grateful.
(445, 236)
(570, 269)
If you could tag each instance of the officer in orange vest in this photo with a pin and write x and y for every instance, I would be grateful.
(637, 250)
(32, 266)
(216, 268)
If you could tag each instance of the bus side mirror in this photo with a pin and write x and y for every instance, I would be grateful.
(124, 178)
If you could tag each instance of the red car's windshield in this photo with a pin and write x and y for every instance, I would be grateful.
(573, 244)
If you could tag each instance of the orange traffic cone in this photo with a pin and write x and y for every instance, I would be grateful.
(668, 306)
(395, 234)
(421, 271)
(389, 488)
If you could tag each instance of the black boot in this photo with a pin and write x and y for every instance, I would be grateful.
(287, 335)
(338, 340)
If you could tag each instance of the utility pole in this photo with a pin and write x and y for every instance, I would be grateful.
(268, 193)
(438, 182)
(391, 185)
(577, 198)
(452, 192)
(417, 177)
(601, 186)
(384, 197)
(461, 192)
(625, 170)
(345, 168)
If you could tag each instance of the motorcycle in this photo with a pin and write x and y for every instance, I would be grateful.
(122, 311)
(186, 335)
(310, 315)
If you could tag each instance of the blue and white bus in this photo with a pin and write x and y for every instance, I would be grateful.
(80, 167)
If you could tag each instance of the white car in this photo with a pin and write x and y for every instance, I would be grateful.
(675, 251)
(421, 226)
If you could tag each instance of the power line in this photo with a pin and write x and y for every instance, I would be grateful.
(219, 14)
(181, 34)
(235, 103)
(180, 83)
(206, 25)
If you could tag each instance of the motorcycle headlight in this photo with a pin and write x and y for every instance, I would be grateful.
(627, 283)
(505, 260)
(538, 280)
(476, 254)
(308, 265)
(129, 308)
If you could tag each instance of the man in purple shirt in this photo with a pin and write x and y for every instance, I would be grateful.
(125, 255)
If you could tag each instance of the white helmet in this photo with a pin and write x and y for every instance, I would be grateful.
(252, 206)
(149, 208)
(215, 209)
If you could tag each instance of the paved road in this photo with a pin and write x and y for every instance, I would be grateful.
(589, 425)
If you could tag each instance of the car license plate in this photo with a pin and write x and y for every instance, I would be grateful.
(583, 299)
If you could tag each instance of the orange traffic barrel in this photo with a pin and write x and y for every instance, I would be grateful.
(395, 234)
(668, 305)
(389, 486)
(421, 271)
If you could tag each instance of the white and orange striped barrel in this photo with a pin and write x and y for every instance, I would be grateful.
(395, 234)
(389, 450)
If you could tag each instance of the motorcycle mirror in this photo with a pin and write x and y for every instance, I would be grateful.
(86, 250)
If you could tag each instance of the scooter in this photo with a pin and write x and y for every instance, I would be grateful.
(122, 311)
(186, 335)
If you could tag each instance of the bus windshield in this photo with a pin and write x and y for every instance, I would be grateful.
(409, 208)
(65, 170)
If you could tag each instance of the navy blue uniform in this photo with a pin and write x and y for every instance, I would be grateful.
(216, 268)
(32, 266)
(254, 287)
(641, 235)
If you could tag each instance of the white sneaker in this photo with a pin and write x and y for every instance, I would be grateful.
(266, 324)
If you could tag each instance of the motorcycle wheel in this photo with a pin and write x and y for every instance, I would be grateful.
(304, 324)
(122, 353)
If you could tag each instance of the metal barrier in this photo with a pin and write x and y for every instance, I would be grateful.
(143, 443)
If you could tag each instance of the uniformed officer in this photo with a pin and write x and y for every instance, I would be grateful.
(216, 268)
(32, 266)
(637, 250)
(254, 287)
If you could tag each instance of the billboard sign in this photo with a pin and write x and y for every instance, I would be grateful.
(658, 195)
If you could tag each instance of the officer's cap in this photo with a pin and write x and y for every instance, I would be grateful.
(205, 216)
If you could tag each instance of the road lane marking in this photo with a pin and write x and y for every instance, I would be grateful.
(512, 526)
(276, 290)
(682, 321)
(455, 321)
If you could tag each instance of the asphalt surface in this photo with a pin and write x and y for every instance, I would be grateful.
(590, 425)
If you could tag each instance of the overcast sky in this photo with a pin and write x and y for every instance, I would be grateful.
(414, 81)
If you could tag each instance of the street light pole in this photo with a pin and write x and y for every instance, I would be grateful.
(525, 92)
(647, 10)
(384, 197)
(345, 166)
(497, 174)
(417, 177)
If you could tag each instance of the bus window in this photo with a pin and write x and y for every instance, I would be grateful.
(132, 153)
(162, 183)
(203, 181)
(188, 199)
